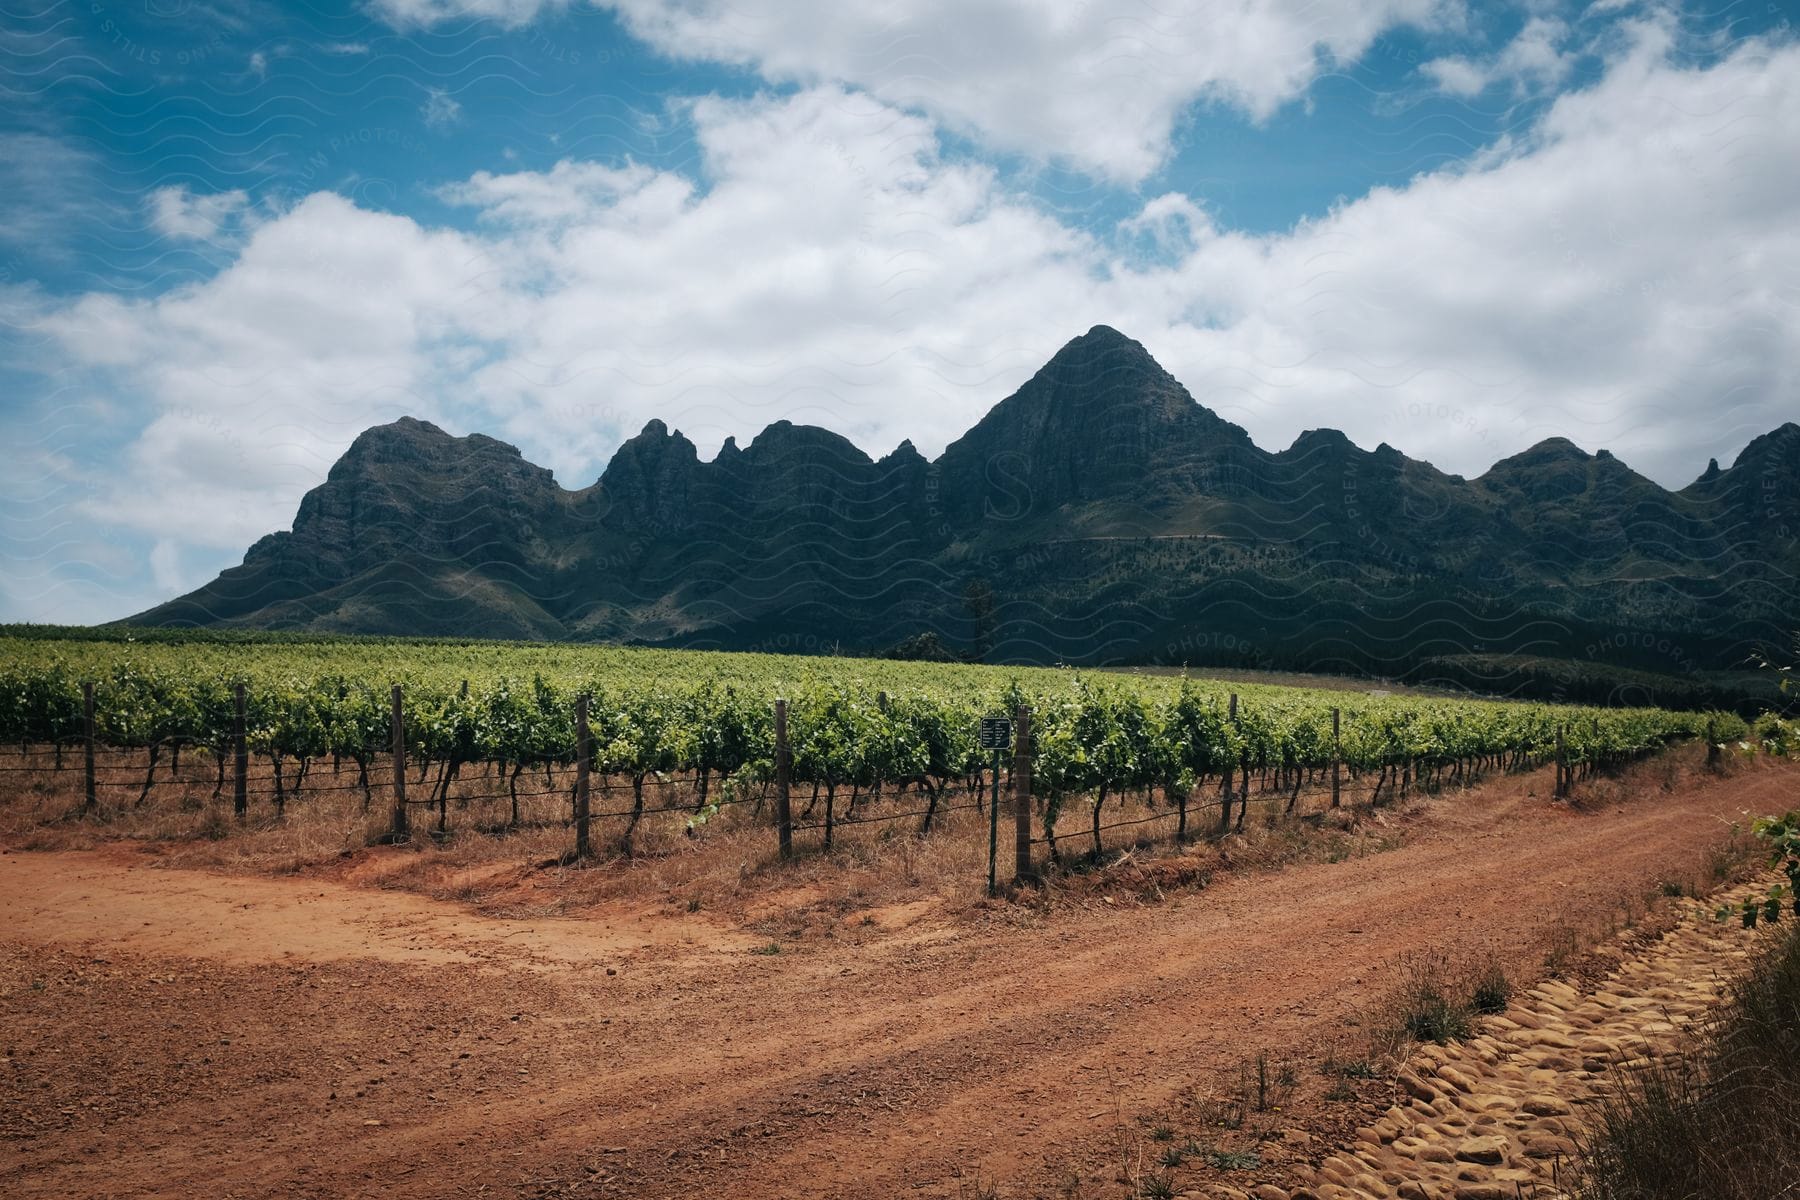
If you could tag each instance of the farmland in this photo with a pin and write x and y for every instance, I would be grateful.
(377, 1042)
(1221, 885)
(693, 735)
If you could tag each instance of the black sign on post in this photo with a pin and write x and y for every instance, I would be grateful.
(996, 733)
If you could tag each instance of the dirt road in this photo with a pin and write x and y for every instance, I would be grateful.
(176, 1033)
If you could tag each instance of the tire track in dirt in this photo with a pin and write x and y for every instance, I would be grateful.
(894, 1065)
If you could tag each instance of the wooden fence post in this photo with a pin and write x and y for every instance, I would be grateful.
(1562, 771)
(583, 755)
(993, 815)
(1225, 776)
(1337, 758)
(784, 815)
(1243, 784)
(92, 802)
(401, 829)
(240, 753)
(1021, 781)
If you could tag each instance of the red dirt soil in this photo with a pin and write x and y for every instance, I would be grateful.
(180, 1033)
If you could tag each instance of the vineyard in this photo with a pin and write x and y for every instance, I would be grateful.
(629, 742)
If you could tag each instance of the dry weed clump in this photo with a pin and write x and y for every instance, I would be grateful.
(1432, 999)
(1222, 1127)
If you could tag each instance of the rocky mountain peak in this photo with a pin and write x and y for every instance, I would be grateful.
(785, 440)
(410, 442)
(1110, 513)
(1101, 418)
(904, 453)
(1779, 448)
(650, 477)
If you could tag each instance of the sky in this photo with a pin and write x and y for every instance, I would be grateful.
(233, 235)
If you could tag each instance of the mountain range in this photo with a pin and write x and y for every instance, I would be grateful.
(1099, 515)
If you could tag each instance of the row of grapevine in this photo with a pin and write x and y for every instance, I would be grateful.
(852, 725)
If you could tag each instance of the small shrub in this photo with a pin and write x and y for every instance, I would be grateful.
(1562, 946)
(977, 1189)
(1725, 860)
(214, 826)
(1426, 1004)
(1226, 1113)
(1428, 1012)
(1492, 991)
(1434, 1017)
(1157, 1187)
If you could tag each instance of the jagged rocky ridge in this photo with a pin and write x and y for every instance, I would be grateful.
(1099, 514)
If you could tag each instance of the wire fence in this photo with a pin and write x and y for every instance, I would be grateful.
(499, 798)
(452, 796)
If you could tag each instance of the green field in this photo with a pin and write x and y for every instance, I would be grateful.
(852, 721)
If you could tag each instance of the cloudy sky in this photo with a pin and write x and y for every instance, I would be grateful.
(232, 235)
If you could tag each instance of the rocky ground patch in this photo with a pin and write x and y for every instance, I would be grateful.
(1500, 1115)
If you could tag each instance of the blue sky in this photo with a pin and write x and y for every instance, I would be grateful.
(232, 236)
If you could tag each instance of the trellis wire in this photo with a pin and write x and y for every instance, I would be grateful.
(113, 776)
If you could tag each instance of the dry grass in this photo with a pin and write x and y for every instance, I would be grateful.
(1433, 999)
(1675, 769)
(1723, 1121)
(482, 858)
(1220, 1129)
(727, 863)
(1149, 871)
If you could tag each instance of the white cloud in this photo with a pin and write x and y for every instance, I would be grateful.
(165, 565)
(1622, 276)
(1172, 224)
(331, 318)
(569, 191)
(1619, 278)
(1457, 75)
(1100, 85)
(176, 212)
(51, 188)
(441, 109)
(417, 13)
(1535, 59)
